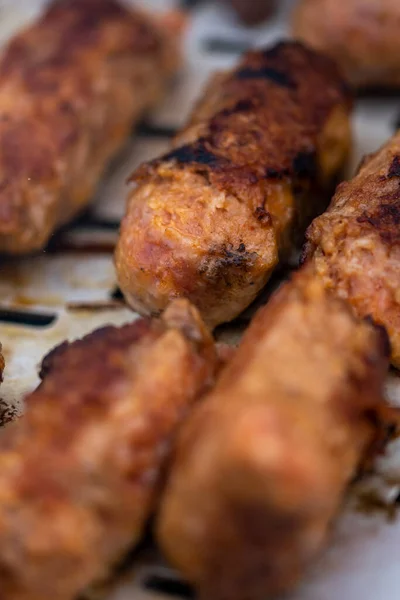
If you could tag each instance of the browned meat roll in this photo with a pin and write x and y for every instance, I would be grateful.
(355, 245)
(211, 219)
(80, 471)
(261, 466)
(71, 88)
(361, 35)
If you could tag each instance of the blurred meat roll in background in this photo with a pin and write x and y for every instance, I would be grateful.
(361, 35)
(71, 87)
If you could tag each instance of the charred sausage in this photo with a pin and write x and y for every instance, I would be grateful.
(211, 219)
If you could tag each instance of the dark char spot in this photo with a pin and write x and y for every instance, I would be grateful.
(386, 214)
(225, 265)
(263, 216)
(278, 77)
(394, 170)
(385, 220)
(271, 173)
(193, 153)
(304, 164)
(241, 106)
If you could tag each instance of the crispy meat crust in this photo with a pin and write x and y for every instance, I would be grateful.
(210, 219)
(261, 466)
(71, 87)
(355, 245)
(80, 471)
(361, 35)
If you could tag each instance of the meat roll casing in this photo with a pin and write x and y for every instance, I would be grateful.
(80, 471)
(262, 464)
(211, 219)
(71, 87)
(355, 245)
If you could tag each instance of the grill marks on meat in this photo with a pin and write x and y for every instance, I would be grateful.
(355, 245)
(261, 466)
(252, 166)
(71, 88)
(239, 142)
(80, 471)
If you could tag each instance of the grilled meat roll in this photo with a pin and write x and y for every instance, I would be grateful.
(211, 219)
(361, 35)
(355, 245)
(80, 471)
(261, 465)
(71, 88)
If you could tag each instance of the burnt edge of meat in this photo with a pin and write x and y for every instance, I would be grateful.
(304, 164)
(279, 77)
(282, 51)
(225, 155)
(394, 169)
(99, 342)
(197, 152)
